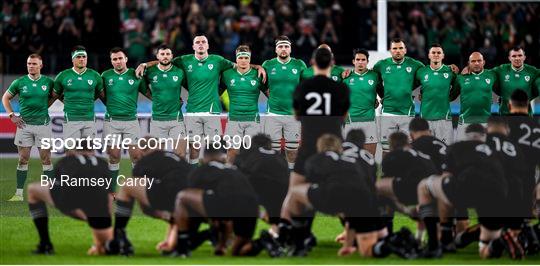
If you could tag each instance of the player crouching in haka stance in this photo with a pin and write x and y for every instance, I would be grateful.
(473, 167)
(336, 185)
(222, 194)
(87, 203)
(168, 173)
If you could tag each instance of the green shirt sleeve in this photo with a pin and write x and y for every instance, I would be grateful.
(177, 61)
(302, 65)
(142, 86)
(58, 88)
(99, 84)
(225, 64)
(13, 89)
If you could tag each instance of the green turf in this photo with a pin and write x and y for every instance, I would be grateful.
(72, 238)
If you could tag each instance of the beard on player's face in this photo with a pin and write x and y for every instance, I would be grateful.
(165, 62)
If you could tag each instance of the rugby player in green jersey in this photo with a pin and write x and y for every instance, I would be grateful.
(244, 88)
(435, 81)
(202, 72)
(513, 76)
(336, 74)
(122, 89)
(33, 123)
(79, 86)
(165, 84)
(363, 84)
(284, 74)
(397, 73)
(474, 90)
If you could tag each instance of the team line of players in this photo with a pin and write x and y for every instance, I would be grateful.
(331, 177)
(392, 79)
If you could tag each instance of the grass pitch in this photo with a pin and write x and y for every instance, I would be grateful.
(72, 238)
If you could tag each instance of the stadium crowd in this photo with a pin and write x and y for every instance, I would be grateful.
(50, 27)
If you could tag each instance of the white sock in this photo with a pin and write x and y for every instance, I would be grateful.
(47, 167)
(19, 192)
(193, 161)
(114, 166)
(291, 166)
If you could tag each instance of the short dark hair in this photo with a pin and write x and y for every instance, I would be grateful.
(418, 124)
(398, 140)
(435, 45)
(397, 40)
(117, 50)
(212, 150)
(282, 38)
(475, 128)
(356, 137)
(360, 51)
(516, 49)
(497, 120)
(519, 98)
(163, 47)
(323, 58)
(78, 48)
(261, 141)
(243, 48)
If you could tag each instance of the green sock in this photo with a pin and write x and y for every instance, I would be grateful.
(22, 173)
(114, 170)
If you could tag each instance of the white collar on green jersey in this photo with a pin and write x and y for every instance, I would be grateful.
(437, 68)
(284, 63)
(478, 73)
(73, 68)
(125, 70)
(34, 80)
(517, 70)
(249, 70)
(361, 74)
(165, 70)
(202, 59)
(399, 63)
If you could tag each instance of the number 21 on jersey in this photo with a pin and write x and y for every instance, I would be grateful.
(317, 107)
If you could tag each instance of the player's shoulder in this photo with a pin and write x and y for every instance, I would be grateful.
(91, 71)
(215, 57)
(65, 72)
(186, 57)
(229, 72)
(269, 62)
(414, 61)
(298, 62)
(530, 69)
(108, 72)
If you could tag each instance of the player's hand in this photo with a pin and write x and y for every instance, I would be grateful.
(454, 68)
(18, 121)
(165, 246)
(139, 72)
(465, 71)
(261, 73)
(341, 237)
(346, 73)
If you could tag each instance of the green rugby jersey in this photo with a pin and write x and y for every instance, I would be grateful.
(33, 98)
(398, 81)
(363, 94)
(476, 97)
(202, 78)
(436, 84)
(510, 79)
(80, 92)
(165, 86)
(335, 73)
(282, 79)
(243, 90)
(122, 92)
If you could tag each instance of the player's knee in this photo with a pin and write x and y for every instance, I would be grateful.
(276, 145)
(291, 145)
(33, 192)
(23, 159)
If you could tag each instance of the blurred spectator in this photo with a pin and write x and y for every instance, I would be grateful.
(492, 27)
